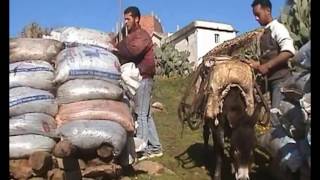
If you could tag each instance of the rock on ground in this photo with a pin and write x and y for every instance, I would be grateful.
(152, 168)
(157, 106)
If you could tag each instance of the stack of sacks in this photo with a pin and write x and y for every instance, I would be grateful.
(32, 103)
(290, 142)
(91, 111)
(73, 36)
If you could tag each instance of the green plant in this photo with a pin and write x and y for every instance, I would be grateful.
(171, 62)
(296, 17)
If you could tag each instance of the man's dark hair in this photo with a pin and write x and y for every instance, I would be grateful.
(263, 3)
(133, 10)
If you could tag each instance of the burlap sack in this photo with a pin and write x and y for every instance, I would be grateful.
(225, 74)
(22, 49)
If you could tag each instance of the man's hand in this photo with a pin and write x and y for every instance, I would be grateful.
(263, 69)
(254, 64)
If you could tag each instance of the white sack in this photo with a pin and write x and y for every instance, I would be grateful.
(87, 89)
(90, 134)
(24, 145)
(29, 100)
(33, 73)
(87, 62)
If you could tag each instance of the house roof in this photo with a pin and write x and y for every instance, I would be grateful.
(151, 24)
(200, 24)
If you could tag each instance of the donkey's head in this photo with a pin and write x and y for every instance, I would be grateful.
(243, 142)
(243, 138)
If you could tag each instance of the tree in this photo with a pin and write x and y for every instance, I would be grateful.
(34, 30)
(296, 17)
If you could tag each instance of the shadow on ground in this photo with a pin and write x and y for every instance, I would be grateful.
(196, 156)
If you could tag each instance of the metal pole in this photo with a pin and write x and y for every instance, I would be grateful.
(120, 20)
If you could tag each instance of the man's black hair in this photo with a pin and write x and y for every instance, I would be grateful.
(263, 3)
(133, 10)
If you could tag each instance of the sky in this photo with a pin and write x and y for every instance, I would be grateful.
(104, 14)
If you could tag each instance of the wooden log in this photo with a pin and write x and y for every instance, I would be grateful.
(54, 162)
(20, 169)
(82, 164)
(37, 178)
(110, 170)
(58, 162)
(56, 174)
(68, 163)
(105, 152)
(40, 162)
(73, 175)
(64, 149)
(96, 162)
(59, 174)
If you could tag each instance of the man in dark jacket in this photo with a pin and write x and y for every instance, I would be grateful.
(137, 47)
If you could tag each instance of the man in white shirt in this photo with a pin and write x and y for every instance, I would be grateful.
(276, 49)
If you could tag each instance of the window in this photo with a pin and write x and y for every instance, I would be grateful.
(216, 38)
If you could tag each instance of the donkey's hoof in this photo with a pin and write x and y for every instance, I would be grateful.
(217, 177)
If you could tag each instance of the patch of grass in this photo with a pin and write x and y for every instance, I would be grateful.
(185, 156)
(169, 92)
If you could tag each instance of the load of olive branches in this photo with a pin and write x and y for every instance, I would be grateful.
(243, 46)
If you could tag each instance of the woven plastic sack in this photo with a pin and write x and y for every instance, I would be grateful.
(33, 123)
(87, 62)
(303, 56)
(277, 143)
(74, 35)
(34, 73)
(90, 134)
(24, 145)
(22, 49)
(29, 100)
(87, 89)
(96, 110)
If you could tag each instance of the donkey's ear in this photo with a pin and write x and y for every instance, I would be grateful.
(256, 114)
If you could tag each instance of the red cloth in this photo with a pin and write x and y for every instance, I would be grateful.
(137, 47)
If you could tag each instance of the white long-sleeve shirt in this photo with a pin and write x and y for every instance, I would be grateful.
(281, 34)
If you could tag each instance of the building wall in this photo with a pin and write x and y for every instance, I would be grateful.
(156, 41)
(201, 41)
(188, 43)
(206, 40)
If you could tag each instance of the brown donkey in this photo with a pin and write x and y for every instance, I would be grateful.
(235, 123)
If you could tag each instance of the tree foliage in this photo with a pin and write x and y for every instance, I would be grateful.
(34, 30)
(296, 17)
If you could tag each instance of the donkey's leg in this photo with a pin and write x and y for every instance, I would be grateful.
(218, 148)
(206, 134)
